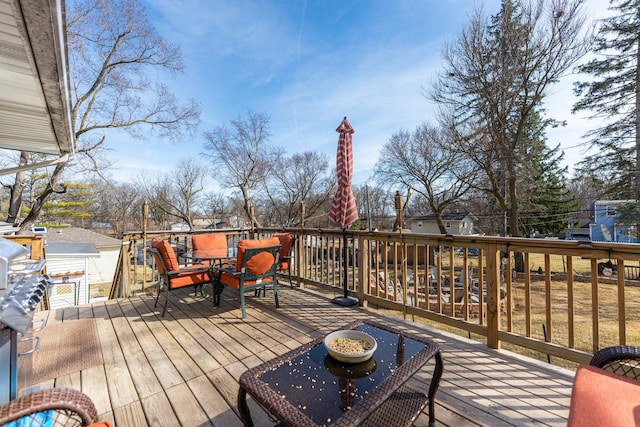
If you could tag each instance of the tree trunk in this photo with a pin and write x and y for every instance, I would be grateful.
(15, 197)
(443, 229)
(39, 202)
(637, 120)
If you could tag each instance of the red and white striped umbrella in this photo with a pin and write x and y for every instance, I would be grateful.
(343, 208)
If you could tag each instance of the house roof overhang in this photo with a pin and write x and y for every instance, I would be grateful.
(35, 97)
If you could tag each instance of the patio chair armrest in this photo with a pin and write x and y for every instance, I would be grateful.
(231, 271)
(57, 399)
(620, 359)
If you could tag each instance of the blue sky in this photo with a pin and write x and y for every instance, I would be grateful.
(309, 63)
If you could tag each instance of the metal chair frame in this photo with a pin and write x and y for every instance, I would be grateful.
(166, 277)
(247, 280)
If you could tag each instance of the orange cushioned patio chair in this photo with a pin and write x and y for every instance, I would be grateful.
(215, 243)
(256, 267)
(606, 393)
(287, 241)
(172, 274)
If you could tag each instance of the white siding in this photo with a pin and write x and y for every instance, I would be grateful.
(76, 291)
(102, 269)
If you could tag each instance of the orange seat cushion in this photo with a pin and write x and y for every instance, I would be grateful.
(190, 278)
(283, 265)
(100, 424)
(167, 254)
(233, 280)
(215, 243)
(261, 263)
(601, 398)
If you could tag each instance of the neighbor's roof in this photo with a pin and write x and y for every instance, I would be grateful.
(80, 235)
(72, 249)
(456, 216)
(34, 79)
(613, 202)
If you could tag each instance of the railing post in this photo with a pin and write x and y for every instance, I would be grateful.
(493, 295)
(363, 266)
(301, 265)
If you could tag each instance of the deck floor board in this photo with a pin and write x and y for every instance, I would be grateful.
(183, 369)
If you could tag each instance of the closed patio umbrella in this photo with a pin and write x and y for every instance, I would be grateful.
(343, 208)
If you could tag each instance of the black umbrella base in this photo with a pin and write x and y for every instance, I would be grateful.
(345, 301)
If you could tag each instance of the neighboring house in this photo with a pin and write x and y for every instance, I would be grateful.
(80, 262)
(580, 232)
(605, 227)
(179, 226)
(459, 223)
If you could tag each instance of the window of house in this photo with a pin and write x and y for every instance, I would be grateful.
(611, 211)
(420, 225)
(447, 224)
(463, 224)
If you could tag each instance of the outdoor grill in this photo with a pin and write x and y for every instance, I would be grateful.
(22, 288)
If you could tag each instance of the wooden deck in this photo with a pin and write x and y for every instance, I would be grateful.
(183, 369)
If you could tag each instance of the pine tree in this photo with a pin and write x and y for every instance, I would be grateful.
(613, 95)
(69, 207)
(550, 203)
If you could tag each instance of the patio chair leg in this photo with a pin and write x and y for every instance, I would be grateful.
(290, 281)
(157, 296)
(244, 311)
(275, 293)
(166, 303)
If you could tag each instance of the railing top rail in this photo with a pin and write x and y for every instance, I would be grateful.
(612, 250)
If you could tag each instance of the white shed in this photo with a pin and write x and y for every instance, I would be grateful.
(68, 266)
(89, 257)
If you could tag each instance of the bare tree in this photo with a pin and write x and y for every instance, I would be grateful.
(303, 177)
(118, 204)
(424, 163)
(215, 207)
(376, 203)
(243, 156)
(112, 50)
(495, 78)
(177, 192)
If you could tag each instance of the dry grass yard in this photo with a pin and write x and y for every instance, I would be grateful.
(559, 328)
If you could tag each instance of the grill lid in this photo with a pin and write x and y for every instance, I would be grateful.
(9, 253)
(21, 285)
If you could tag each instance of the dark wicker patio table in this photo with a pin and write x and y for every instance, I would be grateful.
(307, 387)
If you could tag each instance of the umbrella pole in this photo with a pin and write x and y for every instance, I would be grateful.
(345, 300)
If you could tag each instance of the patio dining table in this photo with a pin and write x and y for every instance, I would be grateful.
(307, 387)
(215, 260)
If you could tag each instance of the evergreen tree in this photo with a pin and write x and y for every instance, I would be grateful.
(550, 203)
(69, 207)
(613, 96)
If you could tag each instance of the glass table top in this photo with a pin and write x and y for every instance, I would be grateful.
(323, 388)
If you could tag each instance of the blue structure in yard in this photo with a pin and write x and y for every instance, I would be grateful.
(605, 226)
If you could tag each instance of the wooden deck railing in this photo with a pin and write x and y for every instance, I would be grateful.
(559, 298)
